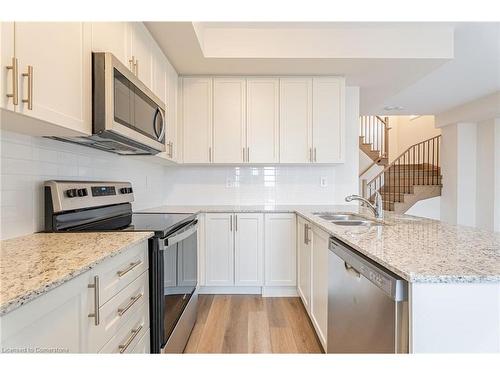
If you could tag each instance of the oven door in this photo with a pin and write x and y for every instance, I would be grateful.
(124, 106)
(180, 279)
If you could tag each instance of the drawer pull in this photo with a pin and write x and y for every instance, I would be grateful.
(95, 314)
(129, 268)
(133, 334)
(133, 300)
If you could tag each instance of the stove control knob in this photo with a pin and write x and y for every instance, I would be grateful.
(71, 193)
(82, 192)
(130, 190)
(123, 190)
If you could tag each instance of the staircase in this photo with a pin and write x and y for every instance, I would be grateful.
(413, 176)
(374, 139)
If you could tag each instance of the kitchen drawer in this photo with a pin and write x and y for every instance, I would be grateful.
(122, 270)
(130, 334)
(115, 312)
(142, 346)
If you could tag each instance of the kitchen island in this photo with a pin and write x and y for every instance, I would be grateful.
(453, 271)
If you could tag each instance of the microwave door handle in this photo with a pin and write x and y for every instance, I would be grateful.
(162, 133)
(154, 122)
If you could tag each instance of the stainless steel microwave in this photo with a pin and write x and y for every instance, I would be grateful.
(127, 117)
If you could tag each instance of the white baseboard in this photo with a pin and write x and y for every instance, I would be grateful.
(279, 291)
(230, 290)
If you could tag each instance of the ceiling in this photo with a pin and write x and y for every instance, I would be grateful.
(425, 68)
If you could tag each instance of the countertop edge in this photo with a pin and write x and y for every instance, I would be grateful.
(21, 300)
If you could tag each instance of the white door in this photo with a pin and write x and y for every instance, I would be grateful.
(280, 250)
(262, 120)
(197, 119)
(60, 57)
(141, 44)
(304, 262)
(219, 245)
(295, 120)
(111, 37)
(328, 119)
(229, 120)
(319, 301)
(248, 249)
(8, 77)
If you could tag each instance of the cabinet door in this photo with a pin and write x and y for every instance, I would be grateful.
(280, 250)
(219, 244)
(197, 119)
(160, 75)
(262, 120)
(141, 44)
(8, 78)
(304, 262)
(59, 53)
(57, 319)
(295, 120)
(328, 119)
(248, 249)
(171, 137)
(319, 300)
(111, 37)
(229, 120)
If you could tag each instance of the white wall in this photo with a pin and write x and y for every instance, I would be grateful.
(497, 175)
(26, 162)
(429, 208)
(485, 166)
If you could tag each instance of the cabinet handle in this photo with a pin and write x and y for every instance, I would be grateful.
(133, 334)
(248, 154)
(131, 64)
(30, 87)
(315, 154)
(243, 152)
(15, 83)
(95, 314)
(305, 234)
(235, 223)
(231, 224)
(133, 300)
(310, 154)
(129, 268)
(136, 65)
(171, 149)
(210, 154)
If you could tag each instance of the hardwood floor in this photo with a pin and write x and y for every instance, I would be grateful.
(252, 324)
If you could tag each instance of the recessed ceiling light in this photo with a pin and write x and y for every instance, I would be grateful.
(393, 108)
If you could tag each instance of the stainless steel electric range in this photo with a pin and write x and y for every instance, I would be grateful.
(75, 206)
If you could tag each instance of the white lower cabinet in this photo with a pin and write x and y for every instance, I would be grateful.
(63, 319)
(234, 249)
(319, 283)
(280, 250)
(304, 254)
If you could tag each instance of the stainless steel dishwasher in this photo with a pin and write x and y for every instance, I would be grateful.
(367, 304)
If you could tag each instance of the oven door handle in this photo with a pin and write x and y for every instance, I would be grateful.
(169, 241)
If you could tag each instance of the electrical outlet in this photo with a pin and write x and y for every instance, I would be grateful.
(229, 182)
(323, 182)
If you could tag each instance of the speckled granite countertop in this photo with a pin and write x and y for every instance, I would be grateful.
(34, 264)
(417, 249)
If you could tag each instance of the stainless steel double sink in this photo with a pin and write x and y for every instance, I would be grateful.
(346, 219)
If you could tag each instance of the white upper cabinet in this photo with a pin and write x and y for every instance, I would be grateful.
(328, 119)
(8, 77)
(141, 52)
(55, 72)
(171, 118)
(295, 120)
(229, 120)
(197, 119)
(160, 75)
(248, 249)
(280, 250)
(111, 37)
(262, 120)
(219, 254)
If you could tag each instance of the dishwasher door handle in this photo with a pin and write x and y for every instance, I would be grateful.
(351, 269)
